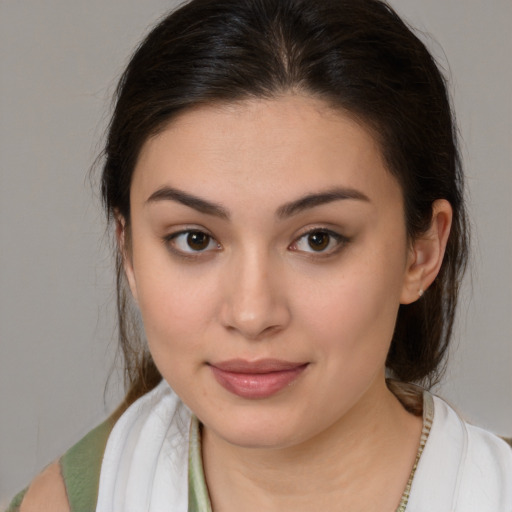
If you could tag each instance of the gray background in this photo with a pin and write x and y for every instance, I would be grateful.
(59, 62)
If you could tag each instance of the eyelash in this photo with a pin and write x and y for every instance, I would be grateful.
(170, 242)
(339, 242)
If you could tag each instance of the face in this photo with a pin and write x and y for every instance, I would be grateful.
(268, 257)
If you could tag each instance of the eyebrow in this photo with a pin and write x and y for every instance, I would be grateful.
(317, 199)
(201, 205)
(287, 210)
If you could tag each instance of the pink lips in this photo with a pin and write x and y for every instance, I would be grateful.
(258, 379)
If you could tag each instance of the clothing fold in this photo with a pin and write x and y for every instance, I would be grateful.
(145, 467)
(145, 463)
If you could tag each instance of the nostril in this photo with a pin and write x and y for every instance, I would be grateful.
(255, 325)
(253, 303)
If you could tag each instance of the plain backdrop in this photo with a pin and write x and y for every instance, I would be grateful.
(59, 61)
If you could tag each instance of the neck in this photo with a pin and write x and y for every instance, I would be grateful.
(362, 462)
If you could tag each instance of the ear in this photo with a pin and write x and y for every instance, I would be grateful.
(427, 252)
(124, 247)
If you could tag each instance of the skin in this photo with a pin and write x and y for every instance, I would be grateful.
(259, 290)
(336, 438)
(47, 492)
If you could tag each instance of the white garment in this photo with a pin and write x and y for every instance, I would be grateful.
(462, 468)
(145, 466)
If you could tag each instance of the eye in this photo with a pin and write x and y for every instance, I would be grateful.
(321, 241)
(192, 241)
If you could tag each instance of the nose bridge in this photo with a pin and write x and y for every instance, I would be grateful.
(254, 303)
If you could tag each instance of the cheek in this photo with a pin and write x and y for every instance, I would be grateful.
(174, 309)
(177, 304)
(352, 314)
(176, 316)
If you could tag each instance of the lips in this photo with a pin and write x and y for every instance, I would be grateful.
(258, 379)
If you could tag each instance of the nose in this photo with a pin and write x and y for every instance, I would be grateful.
(254, 299)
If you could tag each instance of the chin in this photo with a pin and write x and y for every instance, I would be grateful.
(261, 430)
(265, 439)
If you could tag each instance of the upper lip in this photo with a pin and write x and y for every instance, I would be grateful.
(259, 366)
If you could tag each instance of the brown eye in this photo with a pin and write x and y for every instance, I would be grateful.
(198, 241)
(324, 242)
(191, 242)
(318, 240)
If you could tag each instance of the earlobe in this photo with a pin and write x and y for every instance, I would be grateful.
(427, 252)
(123, 245)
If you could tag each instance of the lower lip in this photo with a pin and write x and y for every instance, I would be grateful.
(256, 385)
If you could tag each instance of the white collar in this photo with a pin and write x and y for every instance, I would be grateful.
(145, 464)
(462, 468)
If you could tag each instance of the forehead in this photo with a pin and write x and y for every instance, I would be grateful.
(274, 148)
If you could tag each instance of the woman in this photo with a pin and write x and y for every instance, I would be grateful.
(287, 195)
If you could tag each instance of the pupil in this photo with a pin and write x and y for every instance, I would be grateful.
(318, 241)
(198, 241)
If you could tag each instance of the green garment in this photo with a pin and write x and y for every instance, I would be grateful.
(81, 467)
(198, 498)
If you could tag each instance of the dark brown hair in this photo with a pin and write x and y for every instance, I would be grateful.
(358, 56)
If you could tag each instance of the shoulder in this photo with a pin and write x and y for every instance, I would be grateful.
(484, 462)
(46, 493)
(489, 455)
(469, 468)
(478, 444)
(71, 483)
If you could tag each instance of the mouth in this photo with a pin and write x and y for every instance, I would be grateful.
(257, 379)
